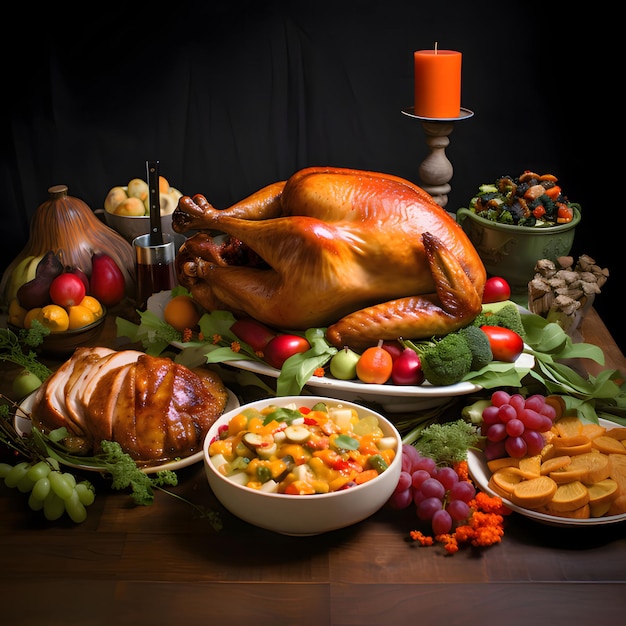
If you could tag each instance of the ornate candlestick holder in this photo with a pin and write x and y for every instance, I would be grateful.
(436, 171)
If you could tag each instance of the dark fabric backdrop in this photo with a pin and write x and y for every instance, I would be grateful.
(231, 96)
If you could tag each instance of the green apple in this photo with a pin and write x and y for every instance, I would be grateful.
(343, 364)
(24, 384)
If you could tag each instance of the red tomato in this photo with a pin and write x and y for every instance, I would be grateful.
(496, 290)
(67, 289)
(255, 334)
(505, 344)
(281, 347)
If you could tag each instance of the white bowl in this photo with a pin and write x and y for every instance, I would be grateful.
(304, 514)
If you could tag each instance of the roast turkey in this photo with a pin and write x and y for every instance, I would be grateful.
(368, 255)
(157, 410)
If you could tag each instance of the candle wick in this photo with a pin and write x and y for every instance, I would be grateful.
(436, 42)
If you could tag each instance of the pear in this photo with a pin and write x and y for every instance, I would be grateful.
(138, 188)
(167, 204)
(36, 292)
(343, 364)
(132, 206)
(114, 198)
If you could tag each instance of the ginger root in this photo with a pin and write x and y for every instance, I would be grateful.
(560, 291)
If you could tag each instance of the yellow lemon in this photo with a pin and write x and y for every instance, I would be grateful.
(89, 302)
(55, 318)
(79, 316)
(17, 313)
(32, 314)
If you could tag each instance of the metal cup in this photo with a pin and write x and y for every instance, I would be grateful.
(155, 265)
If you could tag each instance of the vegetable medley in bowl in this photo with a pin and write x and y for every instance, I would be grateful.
(530, 200)
(302, 465)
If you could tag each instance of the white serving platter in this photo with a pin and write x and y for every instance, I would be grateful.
(392, 398)
(480, 474)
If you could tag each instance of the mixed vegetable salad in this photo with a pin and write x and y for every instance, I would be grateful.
(530, 200)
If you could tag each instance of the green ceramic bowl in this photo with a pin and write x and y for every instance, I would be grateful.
(512, 251)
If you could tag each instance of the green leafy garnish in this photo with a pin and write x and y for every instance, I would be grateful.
(16, 348)
(154, 334)
(298, 368)
(282, 414)
(446, 443)
(592, 397)
(345, 442)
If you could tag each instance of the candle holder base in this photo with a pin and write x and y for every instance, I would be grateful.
(436, 171)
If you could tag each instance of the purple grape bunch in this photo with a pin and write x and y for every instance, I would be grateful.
(513, 425)
(438, 494)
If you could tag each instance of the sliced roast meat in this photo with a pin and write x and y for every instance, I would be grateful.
(155, 409)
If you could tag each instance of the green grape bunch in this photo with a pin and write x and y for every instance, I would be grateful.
(50, 490)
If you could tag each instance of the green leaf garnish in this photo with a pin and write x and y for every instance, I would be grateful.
(282, 414)
(345, 442)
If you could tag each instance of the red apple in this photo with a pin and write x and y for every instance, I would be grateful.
(67, 289)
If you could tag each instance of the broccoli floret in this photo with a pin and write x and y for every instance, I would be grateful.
(505, 314)
(478, 343)
(447, 360)
(506, 217)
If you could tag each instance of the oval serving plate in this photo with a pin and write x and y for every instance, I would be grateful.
(23, 426)
(480, 474)
(391, 398)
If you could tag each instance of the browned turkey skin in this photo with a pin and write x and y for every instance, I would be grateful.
(370, 256)
(157, 410)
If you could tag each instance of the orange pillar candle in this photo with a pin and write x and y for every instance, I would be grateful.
(437, 83)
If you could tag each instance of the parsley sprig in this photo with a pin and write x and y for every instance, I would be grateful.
(17, 348)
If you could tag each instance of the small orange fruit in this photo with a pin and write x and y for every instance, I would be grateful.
(375, 365)
(79, 316)
(181, 312)
(55, 318)
(32, 314)
(91, 303)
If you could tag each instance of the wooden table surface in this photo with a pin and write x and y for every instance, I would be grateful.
(161, 565)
